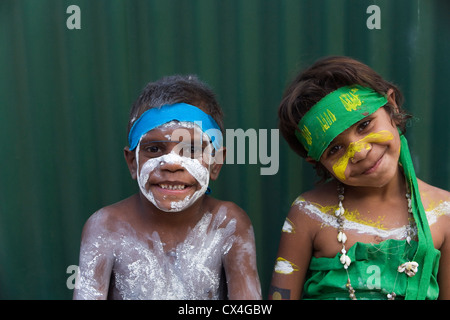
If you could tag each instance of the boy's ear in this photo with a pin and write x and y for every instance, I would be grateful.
(217, 165)
(130, 158)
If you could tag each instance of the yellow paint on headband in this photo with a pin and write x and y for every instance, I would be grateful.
(365, 143)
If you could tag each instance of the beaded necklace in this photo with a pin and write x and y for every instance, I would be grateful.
(409, 268)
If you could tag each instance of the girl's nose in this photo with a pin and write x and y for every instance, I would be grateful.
(359, 150)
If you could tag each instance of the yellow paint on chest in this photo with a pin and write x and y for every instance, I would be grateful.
(365, 143)
(355, 216)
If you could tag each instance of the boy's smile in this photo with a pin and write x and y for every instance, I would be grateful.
(172, 174)
(166, 189)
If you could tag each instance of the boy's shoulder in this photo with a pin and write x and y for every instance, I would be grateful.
(231, 210)
(109, 218)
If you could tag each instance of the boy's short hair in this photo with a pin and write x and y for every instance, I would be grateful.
(176, 89)
(324, 76)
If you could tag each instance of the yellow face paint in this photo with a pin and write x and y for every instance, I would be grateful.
(365, 143)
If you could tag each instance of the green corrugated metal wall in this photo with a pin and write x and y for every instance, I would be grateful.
(65, 96)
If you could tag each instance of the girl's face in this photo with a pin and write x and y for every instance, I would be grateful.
(172, 170)
(366, 154)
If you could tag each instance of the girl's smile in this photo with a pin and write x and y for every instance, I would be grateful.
(366, 153)
(374, 167)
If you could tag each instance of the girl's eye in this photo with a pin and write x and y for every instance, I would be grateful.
(334, 149)
(363, 125)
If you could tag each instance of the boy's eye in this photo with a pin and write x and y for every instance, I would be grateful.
(152, 149)
(191, 150)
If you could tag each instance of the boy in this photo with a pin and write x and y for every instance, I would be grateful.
(171, 240)
(372, 230)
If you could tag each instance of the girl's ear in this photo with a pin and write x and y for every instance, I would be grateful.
(311, 160)
(130, 158)
(393, 103)
(391, 99)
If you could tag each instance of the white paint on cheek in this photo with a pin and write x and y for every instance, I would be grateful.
(193, 166)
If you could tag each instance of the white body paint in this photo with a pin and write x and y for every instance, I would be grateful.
(327, 219)
(142, 269)
(330, 220)
(288, 227)
(284, 266)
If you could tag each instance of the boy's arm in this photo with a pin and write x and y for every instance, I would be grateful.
(96, 261)
(293, 257)
(240, 261)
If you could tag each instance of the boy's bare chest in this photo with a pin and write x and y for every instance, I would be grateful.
(149, 267)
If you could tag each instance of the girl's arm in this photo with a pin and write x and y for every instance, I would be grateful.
(444, 263)
(294, 255)
(444, 269)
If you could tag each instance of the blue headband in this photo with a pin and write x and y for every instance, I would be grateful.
(155, 117)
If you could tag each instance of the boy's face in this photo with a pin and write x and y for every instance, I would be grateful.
(173, 165)
(366, 154)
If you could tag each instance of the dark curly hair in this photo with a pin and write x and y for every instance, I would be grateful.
(324, 76)
(176, 89)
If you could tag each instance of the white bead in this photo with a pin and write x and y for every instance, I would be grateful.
(348, 261)
(341, 237)
(408, 239)
(337, 213)
(345, 260)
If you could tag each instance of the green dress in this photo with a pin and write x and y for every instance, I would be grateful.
(373, 272)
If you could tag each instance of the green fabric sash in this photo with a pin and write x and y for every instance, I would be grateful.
(375, 268)
(335, 113)
(425, 254)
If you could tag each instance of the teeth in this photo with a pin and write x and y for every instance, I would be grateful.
(173, 187)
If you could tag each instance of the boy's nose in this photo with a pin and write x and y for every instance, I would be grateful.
(171, 166)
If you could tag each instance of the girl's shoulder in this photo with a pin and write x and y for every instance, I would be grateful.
(323, 196)
(316, 205)
(433, 197)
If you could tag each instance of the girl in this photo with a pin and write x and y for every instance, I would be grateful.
(364, 233)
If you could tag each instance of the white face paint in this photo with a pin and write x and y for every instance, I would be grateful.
(193, 166)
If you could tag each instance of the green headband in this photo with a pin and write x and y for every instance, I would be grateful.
(333, 114)
(337, 112)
